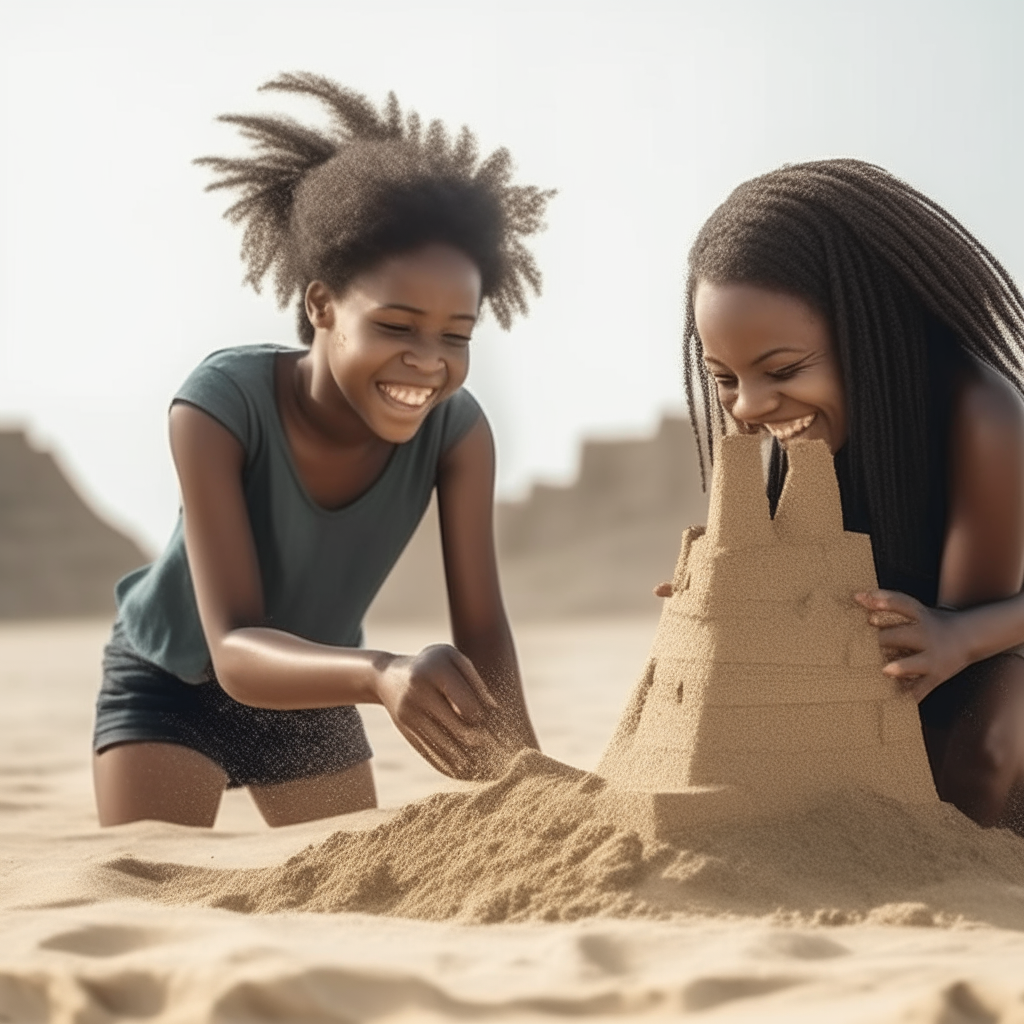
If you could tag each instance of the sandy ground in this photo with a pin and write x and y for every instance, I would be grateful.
(73, 948)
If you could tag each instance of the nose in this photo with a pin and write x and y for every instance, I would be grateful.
(754, 403)
(426, 356)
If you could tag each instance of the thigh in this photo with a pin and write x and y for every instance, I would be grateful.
(316, 796)
(158, 781)
(974, 730)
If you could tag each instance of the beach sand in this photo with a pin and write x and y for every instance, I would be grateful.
(77, 944)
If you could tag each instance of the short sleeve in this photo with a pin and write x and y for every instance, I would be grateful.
(210, 388)
(462, 411)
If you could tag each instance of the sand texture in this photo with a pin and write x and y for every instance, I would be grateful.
(84, 940)
(759, 841)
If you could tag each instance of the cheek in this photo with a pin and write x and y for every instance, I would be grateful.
(458, 367)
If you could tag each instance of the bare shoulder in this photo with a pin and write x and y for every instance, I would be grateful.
(986, 470)
(987, 410)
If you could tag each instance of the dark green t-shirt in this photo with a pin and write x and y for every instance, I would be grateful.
(320, 568)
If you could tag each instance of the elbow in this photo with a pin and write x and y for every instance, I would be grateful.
(230, 671)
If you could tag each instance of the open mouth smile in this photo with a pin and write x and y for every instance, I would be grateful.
(787, 431)
(407, 396)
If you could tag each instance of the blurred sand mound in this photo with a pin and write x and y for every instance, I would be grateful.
(57, 558)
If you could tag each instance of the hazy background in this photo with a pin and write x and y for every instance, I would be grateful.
(117, 274)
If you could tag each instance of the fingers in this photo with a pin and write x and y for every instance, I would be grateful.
(906, 668)
(460, 703)
(471, 677)
(434, 706)
(901, 636)
(889, 601)
(437, 747)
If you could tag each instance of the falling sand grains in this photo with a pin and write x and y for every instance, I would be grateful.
(763, 766)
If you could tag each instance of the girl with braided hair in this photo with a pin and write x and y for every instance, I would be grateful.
(831, 300)
(236, 656)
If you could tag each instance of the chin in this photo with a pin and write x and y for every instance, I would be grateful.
(398, 433)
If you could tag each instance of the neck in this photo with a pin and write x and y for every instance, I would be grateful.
(321, 406)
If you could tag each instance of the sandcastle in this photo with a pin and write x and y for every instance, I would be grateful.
(764, 682)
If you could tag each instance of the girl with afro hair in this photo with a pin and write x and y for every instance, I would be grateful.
(831, 300)
(236, 657)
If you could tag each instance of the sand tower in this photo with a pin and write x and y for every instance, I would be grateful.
(764, 682)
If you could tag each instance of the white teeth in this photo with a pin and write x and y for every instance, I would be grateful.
(406, 394)
(788, 430)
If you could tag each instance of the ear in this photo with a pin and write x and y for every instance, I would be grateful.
(319, 305)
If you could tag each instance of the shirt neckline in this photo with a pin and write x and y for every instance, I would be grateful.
(281, 438)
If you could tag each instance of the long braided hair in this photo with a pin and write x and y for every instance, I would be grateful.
(329, 204)
(893, 273)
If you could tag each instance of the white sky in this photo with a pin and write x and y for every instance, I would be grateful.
(117, 273)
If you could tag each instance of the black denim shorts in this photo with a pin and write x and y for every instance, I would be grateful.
(141, 703)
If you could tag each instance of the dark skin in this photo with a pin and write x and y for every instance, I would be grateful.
(388, 349)
(776, 367)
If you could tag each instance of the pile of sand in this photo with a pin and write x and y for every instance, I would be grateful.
(540, 845)
(763, 766)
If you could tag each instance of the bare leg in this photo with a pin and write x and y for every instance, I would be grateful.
(318, 796)
(159, 781)
(978, 761)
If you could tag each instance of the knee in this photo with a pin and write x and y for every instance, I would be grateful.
(984, 760)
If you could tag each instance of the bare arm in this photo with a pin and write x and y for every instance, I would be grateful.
(479, 624)
(431, 696)
(983, 558)
(981, 608)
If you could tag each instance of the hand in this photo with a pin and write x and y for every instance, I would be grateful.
(925, 642)
(440, 705)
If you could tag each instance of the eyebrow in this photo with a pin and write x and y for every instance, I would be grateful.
(761, 358)
(422, 312)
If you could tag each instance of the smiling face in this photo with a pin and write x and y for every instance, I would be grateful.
(396, 341)
(774, 362)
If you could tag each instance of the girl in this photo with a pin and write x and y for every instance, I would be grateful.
(831, 300)
(235, 659)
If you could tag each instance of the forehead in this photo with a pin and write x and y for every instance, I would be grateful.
(742, 320)
(429, 277)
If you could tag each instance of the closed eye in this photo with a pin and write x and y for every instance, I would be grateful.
(786, 372)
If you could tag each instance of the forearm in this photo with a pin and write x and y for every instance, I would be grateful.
(269, 668)
(989, 629)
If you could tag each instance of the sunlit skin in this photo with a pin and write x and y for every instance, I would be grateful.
(386, 350)
(775, 363)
